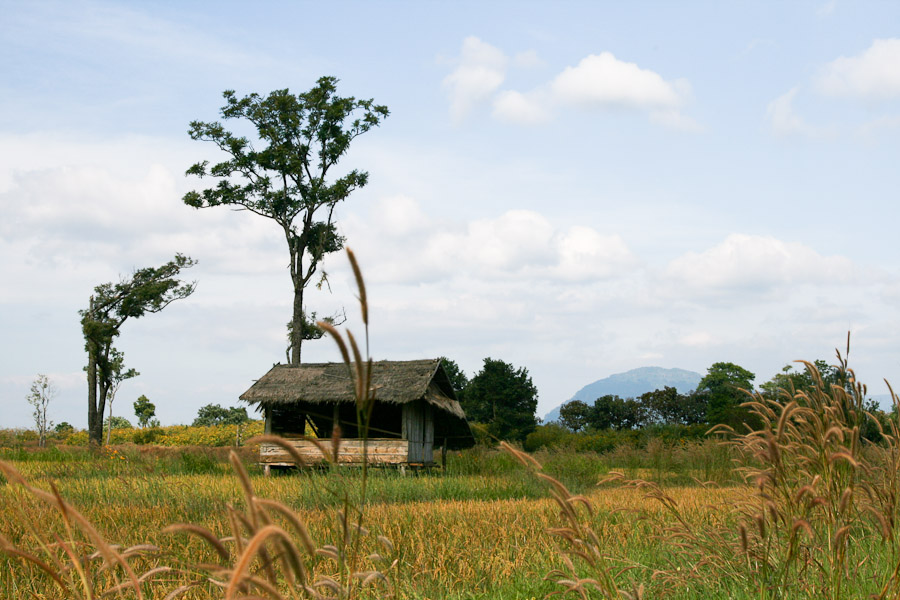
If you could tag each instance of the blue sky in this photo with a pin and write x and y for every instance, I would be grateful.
(577, 188)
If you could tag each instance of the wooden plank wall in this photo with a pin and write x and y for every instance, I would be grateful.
(380, 451)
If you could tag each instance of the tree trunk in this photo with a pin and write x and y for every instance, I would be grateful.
(297, 329)
(95, 435)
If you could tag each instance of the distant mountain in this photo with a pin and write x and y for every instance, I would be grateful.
(633, 383)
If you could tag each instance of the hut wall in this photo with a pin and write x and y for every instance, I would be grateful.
(418, 429)
(380, 451)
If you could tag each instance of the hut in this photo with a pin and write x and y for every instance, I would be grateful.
(415, 410)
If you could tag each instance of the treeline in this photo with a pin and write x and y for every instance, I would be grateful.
(672, 416)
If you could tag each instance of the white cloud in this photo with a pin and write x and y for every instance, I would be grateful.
(597, 82)
(872, 75)
(757, 264)
(784, 121)
(480, 72)
(604, 81)
(514, 107)
(519, 245)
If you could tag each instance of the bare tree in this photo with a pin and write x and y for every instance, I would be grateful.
(42, 392)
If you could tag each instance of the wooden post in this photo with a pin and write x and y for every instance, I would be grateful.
(444, 455)
(267, 470)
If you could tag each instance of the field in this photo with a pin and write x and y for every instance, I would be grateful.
(802, 507)
(477, 530)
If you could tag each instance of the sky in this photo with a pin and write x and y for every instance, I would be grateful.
(577, 188)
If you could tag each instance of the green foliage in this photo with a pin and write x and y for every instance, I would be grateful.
(146, 435)
(148, 290)
(289, 177)
(144, 410)
(612, 412)
(212, 415)
(668, 407)
(503, 398)
(117, 423)
(457, 377)
(725, 386)
(64, 428)
(575, 415)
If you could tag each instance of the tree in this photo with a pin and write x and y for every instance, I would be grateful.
(63, 429)
(458, 379)
(575, 415)
(148, 290)
(42, 392)
(116, 376)
(145, 410)
(503, 398)
(668, 407)
(214, 414)
(287, 180)
(113, 422)
(612, 412)
(725, 385)
(792, 380)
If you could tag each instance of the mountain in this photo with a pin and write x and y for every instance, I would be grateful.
(633, 383)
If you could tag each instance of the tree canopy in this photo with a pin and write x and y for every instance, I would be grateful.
(148, 290)
(458, 379)
(289, 178)
(214, 414)
(503, 398)
(145, 411)
(725, 385)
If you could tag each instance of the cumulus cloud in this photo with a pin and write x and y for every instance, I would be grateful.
(517, 245)
(515, 107)
(873, 75)
(598, 82)
(757, 264)
(603, 81)
(481, 69)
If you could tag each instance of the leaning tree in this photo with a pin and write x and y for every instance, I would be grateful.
(148, 290)
(289, 178)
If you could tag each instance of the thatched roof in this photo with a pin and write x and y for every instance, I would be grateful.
(395, 382)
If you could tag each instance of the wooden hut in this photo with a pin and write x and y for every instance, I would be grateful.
(415, 410)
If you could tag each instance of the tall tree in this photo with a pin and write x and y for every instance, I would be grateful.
(503, 398)
(40, 395)
(725, 385)
(289, 180)
(148, 290)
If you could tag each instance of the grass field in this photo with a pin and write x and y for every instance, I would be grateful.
(476, 531)
(801, 508)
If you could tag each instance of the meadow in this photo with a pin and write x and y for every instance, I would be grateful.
(801, 507)
(474, 531)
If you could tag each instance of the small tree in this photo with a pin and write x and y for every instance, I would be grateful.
(42, 392)
(290, 179)
(148, 290)
(117, 375)
(145, 410)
